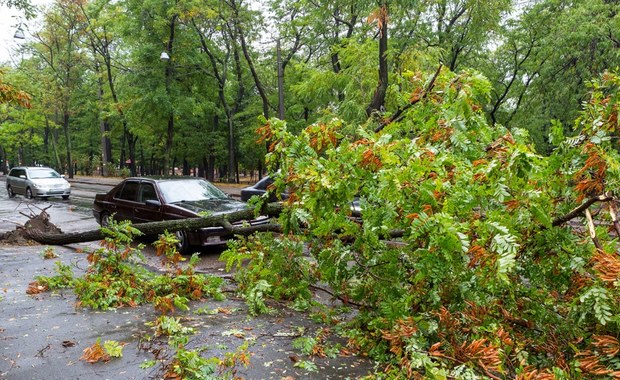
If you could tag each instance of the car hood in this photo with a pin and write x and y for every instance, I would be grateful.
(50, 181)
(212, 206)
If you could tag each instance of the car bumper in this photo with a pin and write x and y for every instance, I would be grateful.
(51, 192)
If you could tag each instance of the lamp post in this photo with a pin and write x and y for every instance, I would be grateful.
(19, 33)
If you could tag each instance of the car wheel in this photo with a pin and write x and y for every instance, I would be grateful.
(29, 193)
(105, 219)
(183, 244)
(9, 190)
(65, 197)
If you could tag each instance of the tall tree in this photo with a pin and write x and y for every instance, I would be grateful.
(57, 45)
(103, 39)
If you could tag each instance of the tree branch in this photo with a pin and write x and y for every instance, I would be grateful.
(581, 209)
(399, 113)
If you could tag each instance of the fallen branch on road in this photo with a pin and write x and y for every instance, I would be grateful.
(57, 237)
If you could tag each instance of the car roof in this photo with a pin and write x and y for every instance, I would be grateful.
(31, 167)
(163, 178)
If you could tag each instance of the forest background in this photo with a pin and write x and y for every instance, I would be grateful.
(101, 96)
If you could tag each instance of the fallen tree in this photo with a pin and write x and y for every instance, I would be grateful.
(508, 264)
(54, 236)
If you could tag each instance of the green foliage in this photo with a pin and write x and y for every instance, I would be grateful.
(306, 365)
(97, 352)
(170, 326)
(113, 348)
(189, 364)
(49, 253)
(485, 264)
(64, 277)
(115, 277)
(317, 345)
(275, 268)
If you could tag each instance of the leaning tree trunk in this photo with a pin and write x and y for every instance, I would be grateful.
(156, 228)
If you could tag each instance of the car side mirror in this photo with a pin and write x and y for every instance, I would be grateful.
(62, 176)
(22, 176)
(153, 203)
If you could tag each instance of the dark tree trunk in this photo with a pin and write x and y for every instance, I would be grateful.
(65, 123)
(378, 100)
(156, 228)
(131, 143)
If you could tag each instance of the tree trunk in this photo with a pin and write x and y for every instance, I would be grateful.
(65, 124)
(378, 100)
(168, 76)
(156, 228)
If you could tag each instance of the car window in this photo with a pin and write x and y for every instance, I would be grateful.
(129, 191)
(42, 173)
(189, 190)
(147, 193)
(264, 183)
(17, 172)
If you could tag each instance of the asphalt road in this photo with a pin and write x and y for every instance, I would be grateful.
(43, 336)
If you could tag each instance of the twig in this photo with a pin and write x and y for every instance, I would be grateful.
(613, 212)
(12, 221)
(340, 298)
(41, 351)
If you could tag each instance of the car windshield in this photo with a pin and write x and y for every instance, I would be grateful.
(43, 173)
(188, 190)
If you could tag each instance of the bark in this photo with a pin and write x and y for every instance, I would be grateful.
(378, 100)
(65, 127)
(169, 77)
(156, 228)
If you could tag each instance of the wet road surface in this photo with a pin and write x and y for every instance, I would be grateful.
(43, 336)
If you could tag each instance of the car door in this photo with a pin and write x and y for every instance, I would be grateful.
(148, 207)
(18, 181)
(126, 200)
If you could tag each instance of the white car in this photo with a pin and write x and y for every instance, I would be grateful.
(37, 181)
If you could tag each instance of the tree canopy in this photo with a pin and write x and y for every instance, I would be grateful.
(97, 62)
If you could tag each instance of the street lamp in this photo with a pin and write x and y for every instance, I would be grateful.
(164, 56)
(19, 33)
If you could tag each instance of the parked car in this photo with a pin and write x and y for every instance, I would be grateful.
(37, 181)
(259, 188)
(150, 199)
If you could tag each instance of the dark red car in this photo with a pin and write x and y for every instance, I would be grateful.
(150, 199)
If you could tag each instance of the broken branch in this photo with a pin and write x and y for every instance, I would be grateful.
(580, 210)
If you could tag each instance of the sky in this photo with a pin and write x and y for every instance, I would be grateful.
(9, 22)
(9, 19)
